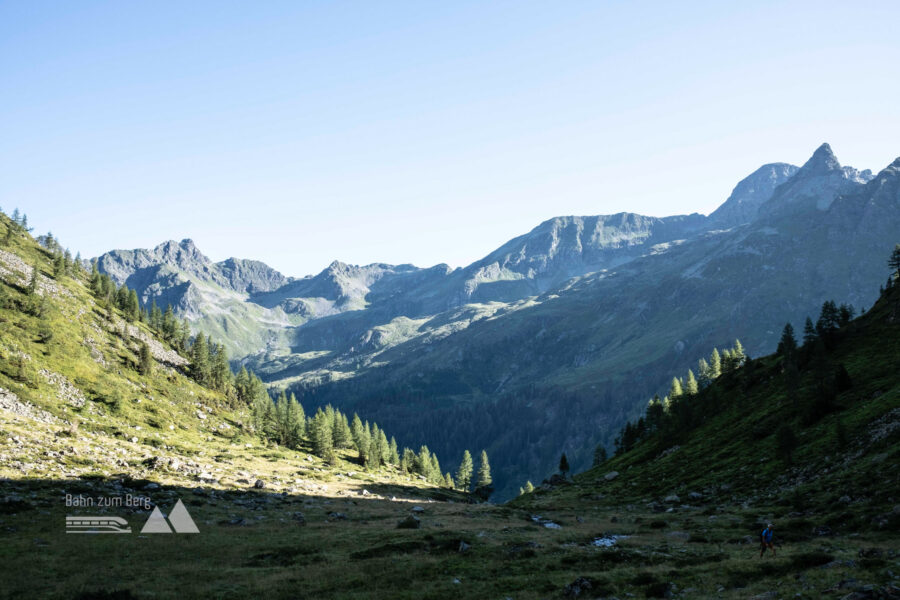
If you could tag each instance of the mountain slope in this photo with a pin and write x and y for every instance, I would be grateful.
(564, 369)
(559, 317)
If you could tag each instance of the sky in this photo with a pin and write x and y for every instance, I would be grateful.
(298, 133)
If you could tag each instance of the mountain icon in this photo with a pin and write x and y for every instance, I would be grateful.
(179, 519)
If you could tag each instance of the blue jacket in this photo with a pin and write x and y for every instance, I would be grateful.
(767, 535)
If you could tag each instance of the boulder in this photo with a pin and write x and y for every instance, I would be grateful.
(409, 522)
(611, 475)
(259, 484)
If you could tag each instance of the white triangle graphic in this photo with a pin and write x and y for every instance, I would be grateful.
(181, 520)
(156, 523)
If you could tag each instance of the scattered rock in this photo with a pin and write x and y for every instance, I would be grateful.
(672, 499)
(580, 586)
(611, 475)
(607, 541)
(259, 484)
(337, 516)
(418, 509)
(409, 522)
(298, 516)
(463, 546)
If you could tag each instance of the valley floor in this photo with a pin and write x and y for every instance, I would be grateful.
(310, 534)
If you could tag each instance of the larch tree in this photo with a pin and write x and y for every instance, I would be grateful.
(691, 387)
(464, 473)
(484, 472)
(715, 364)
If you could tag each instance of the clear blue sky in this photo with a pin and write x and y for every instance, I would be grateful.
(425, 132)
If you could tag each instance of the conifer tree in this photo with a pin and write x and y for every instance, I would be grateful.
(301, 415)
(59, 266)
(220, 372)
(727, 361)
(484, 472)
(407, 461)
(738, 354)
(435, 470)
(323, 443)
(829, 319)
(133, 306)
(787, 346)
(394, 454)
(529, 487)
(704, 378)
(145, 360)
(183, 336)
(675, 390)
(168, 324)
(464, 474)
(809, 333)
(96, 283)
(715, 365)
(600, 454)
(343, 437)
(384, 449)
(423, 462)
(200, 360)
(563, 464)
(448, 481)
(894, 261)
(691, 387)
(655, 413)
(33, 282)
(846, 312)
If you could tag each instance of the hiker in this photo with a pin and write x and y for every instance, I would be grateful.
(765, 539)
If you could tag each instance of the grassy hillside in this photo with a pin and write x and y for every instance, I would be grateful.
(704, 491)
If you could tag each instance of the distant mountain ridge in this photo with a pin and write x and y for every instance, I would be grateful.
(570, 309)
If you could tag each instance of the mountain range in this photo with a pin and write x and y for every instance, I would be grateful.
(551, 342)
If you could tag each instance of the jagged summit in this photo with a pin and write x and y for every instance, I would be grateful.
(822, 161)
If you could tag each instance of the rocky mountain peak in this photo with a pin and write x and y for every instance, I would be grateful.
(750, 193)
(821, 162)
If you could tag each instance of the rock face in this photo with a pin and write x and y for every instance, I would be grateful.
(743, 204)
(535, 337)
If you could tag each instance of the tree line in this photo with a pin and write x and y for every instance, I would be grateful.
(691, 400)
(659, 412)
(328, 431)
